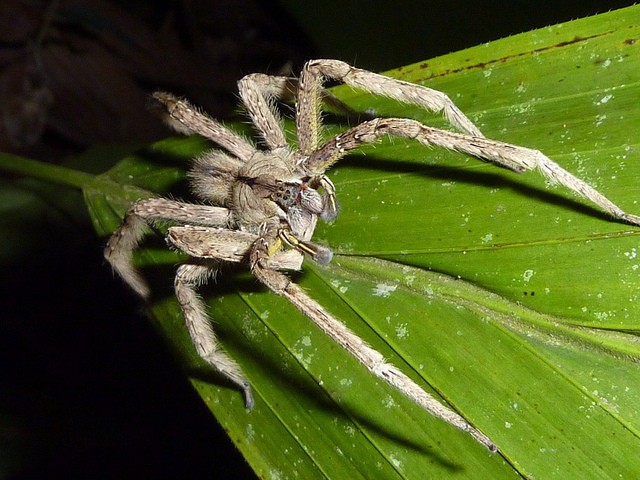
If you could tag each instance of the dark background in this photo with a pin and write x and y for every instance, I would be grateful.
(87, 387)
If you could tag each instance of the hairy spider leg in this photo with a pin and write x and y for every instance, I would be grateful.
(281, 285)
(510, 156)
(472, 142)
(315, 72)
(119, 251)
(187, 119)
(119, 248)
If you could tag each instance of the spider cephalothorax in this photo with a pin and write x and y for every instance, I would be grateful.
(268, 188)
(260, 206)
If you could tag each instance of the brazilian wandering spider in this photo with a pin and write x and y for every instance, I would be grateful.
(260, 206)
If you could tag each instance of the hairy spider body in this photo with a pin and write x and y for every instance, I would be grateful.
(260, 206)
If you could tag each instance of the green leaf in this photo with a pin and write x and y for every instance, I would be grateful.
(513, 300)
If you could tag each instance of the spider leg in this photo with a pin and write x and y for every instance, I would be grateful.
(187, 119)
(124, 240)
(316, 71)
(227, 245)
(209, 246)
(510, 156)
(281, 285)
(258, 92)
(308, 108)
(188, 278)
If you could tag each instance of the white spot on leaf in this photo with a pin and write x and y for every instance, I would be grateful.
(604, 99)
(402, 331)
(384, 290)
(487, 238)
(526, 276)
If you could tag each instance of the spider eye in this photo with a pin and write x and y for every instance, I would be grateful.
(286, 194)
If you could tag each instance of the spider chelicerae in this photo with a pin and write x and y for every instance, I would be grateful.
(259, 206)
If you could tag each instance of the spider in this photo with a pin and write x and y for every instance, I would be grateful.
(259, 206)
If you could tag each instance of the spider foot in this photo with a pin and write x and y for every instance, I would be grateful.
(244, 386)
(230, 370)
(248, 395)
